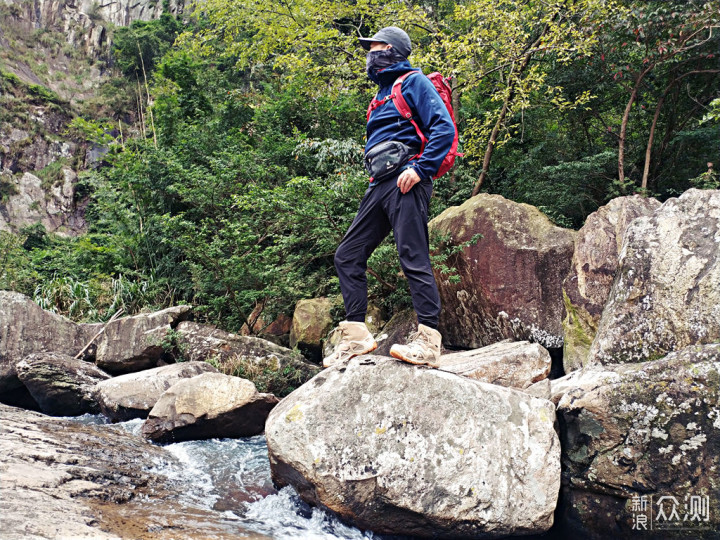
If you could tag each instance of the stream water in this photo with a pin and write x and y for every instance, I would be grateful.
(232, 477)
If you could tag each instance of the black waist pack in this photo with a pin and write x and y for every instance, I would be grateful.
(385, 159)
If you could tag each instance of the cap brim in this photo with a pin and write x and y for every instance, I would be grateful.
(366, 42)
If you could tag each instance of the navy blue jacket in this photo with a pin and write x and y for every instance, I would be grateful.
(429, 111)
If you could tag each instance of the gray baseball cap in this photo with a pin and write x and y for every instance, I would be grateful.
(394, 36)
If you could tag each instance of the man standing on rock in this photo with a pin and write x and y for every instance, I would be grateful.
(397, 199)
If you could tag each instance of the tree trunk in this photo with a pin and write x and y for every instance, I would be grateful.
(491, 143)
(651, 137)
(623, 131)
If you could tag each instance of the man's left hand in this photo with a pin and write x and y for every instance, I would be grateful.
(407, 179)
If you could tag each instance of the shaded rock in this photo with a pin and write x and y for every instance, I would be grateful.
(312, 320)
(208, 406)
(397, 329)
(61, 384)
(273, 368)
(515, 365)
(510, 279)
(139, 342)
(278, 327)
(400, 449)
(135, 394)
(640, 430)
(61, 479)
(666, 295)
(26, 328)
(594, 263)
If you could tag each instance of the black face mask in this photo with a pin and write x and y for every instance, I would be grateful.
(377, 60)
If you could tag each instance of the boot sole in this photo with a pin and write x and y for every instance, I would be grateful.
(352, 356)
(400, 357)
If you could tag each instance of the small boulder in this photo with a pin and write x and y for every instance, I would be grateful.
(514, 365)
(666, 294)
(405, 450)
(139, 342)
(594, 264)
(312, 320)
(639, 432)
(60, 384)
(208, 406)
(510, 279)
(133, 395)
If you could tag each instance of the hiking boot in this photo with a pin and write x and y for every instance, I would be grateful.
(355, 339)
(423, 348)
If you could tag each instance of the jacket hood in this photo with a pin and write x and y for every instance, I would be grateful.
(387, 76)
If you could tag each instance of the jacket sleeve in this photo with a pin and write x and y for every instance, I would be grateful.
(434, 120)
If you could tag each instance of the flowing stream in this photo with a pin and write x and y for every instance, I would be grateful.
(232, 477)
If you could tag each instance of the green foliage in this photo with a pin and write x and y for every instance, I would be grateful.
(138, 47)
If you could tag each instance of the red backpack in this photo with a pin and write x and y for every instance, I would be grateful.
(442, 85)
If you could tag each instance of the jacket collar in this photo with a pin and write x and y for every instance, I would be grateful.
(389, 75)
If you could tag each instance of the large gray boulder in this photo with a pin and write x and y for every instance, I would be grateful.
(666, 295)
(512, 364)
(211, 405)
(26, 328)
(638, 432)
(401, 449)
(133, 395)
(510, 279)
(594, 264)
(139, 342)
(60, 384)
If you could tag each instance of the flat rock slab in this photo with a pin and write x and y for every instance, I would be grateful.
(208, 406)
(133, 395)
(515, 365)
(666, 295)
(641, 430)
(400, 449)
(60, 384)
(61, 479)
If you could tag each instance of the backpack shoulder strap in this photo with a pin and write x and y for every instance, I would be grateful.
(404, 109)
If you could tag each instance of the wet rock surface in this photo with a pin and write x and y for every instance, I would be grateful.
(650, 429)
(401, 449)
(594, 264)
(510, 279)
(211, 405)
(61, 479)
(666, 295)
(60, 384)
(135, 394)
(514, 365)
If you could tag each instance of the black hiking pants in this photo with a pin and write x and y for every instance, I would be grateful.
(385, 208)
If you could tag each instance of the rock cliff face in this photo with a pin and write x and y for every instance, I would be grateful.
(53, 55)
(85, 22)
